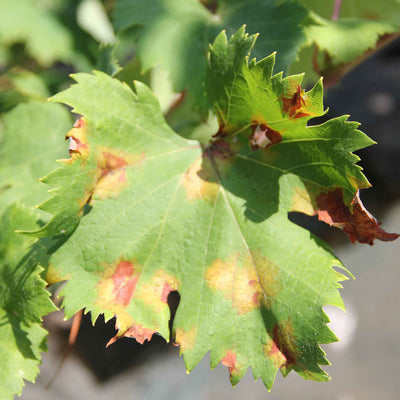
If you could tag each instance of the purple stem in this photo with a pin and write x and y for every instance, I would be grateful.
(336, 10)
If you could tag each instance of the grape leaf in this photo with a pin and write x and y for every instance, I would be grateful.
(342, 44)
(23, 302)
(285, 27)
(387, 10)
(107, 62)
(33, 137)
(18, 85)
(333, 36)
(27, 21)
(210, 221)
(168, 23)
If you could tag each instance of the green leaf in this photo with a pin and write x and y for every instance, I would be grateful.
(107, 62)
(285, 27)
(387, 10)
(33, 137)
(342, 44)
(23, 302)
(27, 21)
(168, 23)
(19, 85)
(165, 213)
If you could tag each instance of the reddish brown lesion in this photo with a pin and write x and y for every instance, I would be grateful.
(295, 105)
(230, 361)
(116, 288)
(136, 331)
(118, 283)
(221, 133)
(263, 136)
(282, 349)
(354, 220)
(125, 280)
(166, 290)
(78, 145)
(112, 165)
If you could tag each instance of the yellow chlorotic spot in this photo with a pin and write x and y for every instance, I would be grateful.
(186, 339)
(155, 293)
(110, 159)
(271, 351)
(196, 182)
(111, 171)
(106, 300)
(248, 285)
(268, 274)
(116, 288)
(78, 143)
(302, 202)
(240, 284)
(358, 183)
(110, 185)
(53, 275)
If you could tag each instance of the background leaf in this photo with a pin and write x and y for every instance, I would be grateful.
(23, 302)
(33, 138)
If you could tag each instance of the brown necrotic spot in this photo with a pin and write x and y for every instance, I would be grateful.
(263, 136)
(296, 104)
(186, 339)
(354, 220)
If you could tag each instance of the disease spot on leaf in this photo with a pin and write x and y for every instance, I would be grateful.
(155, 292)
(54, 276)
(302, 201)
(263, 136)
(268, 275)
(354, 220)
(230, 361)
(78, 144)
(112, 171)
(283, 350)
(186, 339)
(296, 105)
(220, 151)
(241, 283)
(271, 350)
(196, 181)
(116, 288)
(136, 331)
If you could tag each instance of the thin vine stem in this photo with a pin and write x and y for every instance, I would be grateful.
(336, 10)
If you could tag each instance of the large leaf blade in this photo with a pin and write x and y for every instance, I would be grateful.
(211, 221)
